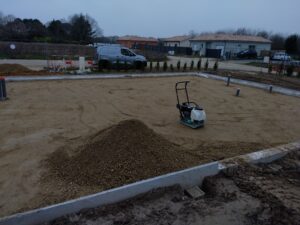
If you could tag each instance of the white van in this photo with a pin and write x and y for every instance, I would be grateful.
(110, 55)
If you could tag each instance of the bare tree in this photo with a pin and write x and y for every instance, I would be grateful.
(245, 31)
(4, 19)
(264, 34)
(278, 41)
(81, 30)
(98, 32)
(193, 33)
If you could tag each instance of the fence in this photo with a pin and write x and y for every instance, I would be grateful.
(165, 49)
(43, 50)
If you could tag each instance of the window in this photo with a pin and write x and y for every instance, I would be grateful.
(252, 47)
(126, 52)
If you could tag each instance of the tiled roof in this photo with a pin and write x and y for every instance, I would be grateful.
(176, 38)
(230, 37)
(137, 38)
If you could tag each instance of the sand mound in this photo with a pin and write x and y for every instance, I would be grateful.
(13, 68)
(124, 153)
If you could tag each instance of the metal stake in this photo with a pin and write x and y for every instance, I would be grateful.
(228, 80)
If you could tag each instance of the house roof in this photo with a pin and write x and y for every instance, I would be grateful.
(137, 38)
(176, 38)
(230, 37)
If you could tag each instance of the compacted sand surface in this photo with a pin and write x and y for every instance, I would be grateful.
(42, 119)
(256, 195)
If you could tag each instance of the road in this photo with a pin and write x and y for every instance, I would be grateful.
(226, 65)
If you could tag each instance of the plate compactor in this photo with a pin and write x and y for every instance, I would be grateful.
(191, 114)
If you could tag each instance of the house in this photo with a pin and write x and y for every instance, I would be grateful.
(227, 45)
(177, 41)
(133, 41)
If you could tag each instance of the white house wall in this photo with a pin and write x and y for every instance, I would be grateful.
(185, 43)
(235, 47)
(229, 47)
(199, 47)
(171, 44)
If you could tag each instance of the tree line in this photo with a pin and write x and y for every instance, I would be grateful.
(83, 29)
(79, 29)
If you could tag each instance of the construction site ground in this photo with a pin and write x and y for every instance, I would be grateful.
(26, 68)
(47, 126)
(271, 79)
(263, 194)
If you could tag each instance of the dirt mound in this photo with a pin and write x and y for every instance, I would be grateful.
(13, 68)
(124, 153)
(277, 186)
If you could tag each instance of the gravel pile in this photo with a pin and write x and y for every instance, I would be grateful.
(121, 154)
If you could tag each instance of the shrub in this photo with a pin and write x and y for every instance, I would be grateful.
(184, 67)
(199, 64)
(206, 65)
(178, 65)
(281, 68)
(100, 66)
(118, 65)
(290, 70)
(151, 66)
(216, 65)
(270, 68)
(165, 66)
(172, 68)
(108, 66)
(126, 65)
(157, 66)
(192, 65)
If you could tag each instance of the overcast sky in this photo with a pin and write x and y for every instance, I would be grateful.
(161, 18)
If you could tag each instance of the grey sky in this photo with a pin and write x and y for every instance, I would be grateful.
(161, 18)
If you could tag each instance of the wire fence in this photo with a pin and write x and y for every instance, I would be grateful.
(23, 50)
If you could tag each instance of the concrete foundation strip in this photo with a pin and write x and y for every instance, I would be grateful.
(186, 178)
(278, 89)
(95, 76)
(275, 88)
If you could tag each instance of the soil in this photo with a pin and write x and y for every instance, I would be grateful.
(256, 195)
(41, 117)
(12, 68)
(277, 185)
(272, 79)
(20, 70)
(120, 154)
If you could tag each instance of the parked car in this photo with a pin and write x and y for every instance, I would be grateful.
(247, 54)
(110, 55)
(281, 56)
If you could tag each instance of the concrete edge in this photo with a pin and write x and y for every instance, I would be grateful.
(263, 156)
(95, 76)
(186, 178)
(276, 89)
